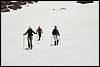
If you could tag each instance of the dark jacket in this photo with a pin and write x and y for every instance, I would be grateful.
(55, 32)
(39, 31)
(30, 31)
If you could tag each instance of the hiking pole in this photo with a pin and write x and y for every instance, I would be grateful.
(51, 41)
(37, 39)
(42, 36)
(23, 42)
(60, 39)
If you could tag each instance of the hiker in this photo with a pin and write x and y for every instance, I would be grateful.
(55, 34)
(30, 36)
(39, 32)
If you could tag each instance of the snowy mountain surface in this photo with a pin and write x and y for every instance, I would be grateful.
(77, 23)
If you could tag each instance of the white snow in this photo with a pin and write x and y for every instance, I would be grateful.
(78, 26)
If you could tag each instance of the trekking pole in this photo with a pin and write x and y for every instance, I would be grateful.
(37, 39)
(60, 39)
(42, 36)
(23, 42)
(52, 41)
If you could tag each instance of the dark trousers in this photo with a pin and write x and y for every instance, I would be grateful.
(29, 38)
(39, 35)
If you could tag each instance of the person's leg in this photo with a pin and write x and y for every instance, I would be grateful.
(54, 39)
(39, 36)
(28, 42)
(31, 41)
(57, 40)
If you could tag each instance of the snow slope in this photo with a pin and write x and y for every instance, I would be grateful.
(78, 26)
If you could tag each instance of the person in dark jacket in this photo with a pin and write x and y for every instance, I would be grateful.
(39, 31)
(29, 38)
(55, 34)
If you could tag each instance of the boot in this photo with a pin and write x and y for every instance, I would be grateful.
(57, 42)
(39, 38)
(28, 45)
(54, 43)
(31, 45)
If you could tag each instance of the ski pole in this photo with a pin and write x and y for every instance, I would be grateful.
(60, 39)
(51, 40)
(37, 39)
(42, 36)
(36, 36)
(23, 42)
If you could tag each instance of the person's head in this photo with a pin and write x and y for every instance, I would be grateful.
(55, 27)
(30, 27)
(38, 27)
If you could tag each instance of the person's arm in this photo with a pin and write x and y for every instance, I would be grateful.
(53, 32)
(58, 32)
(41, 30)
(34, 32)
(26, 32)
(37, 31)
